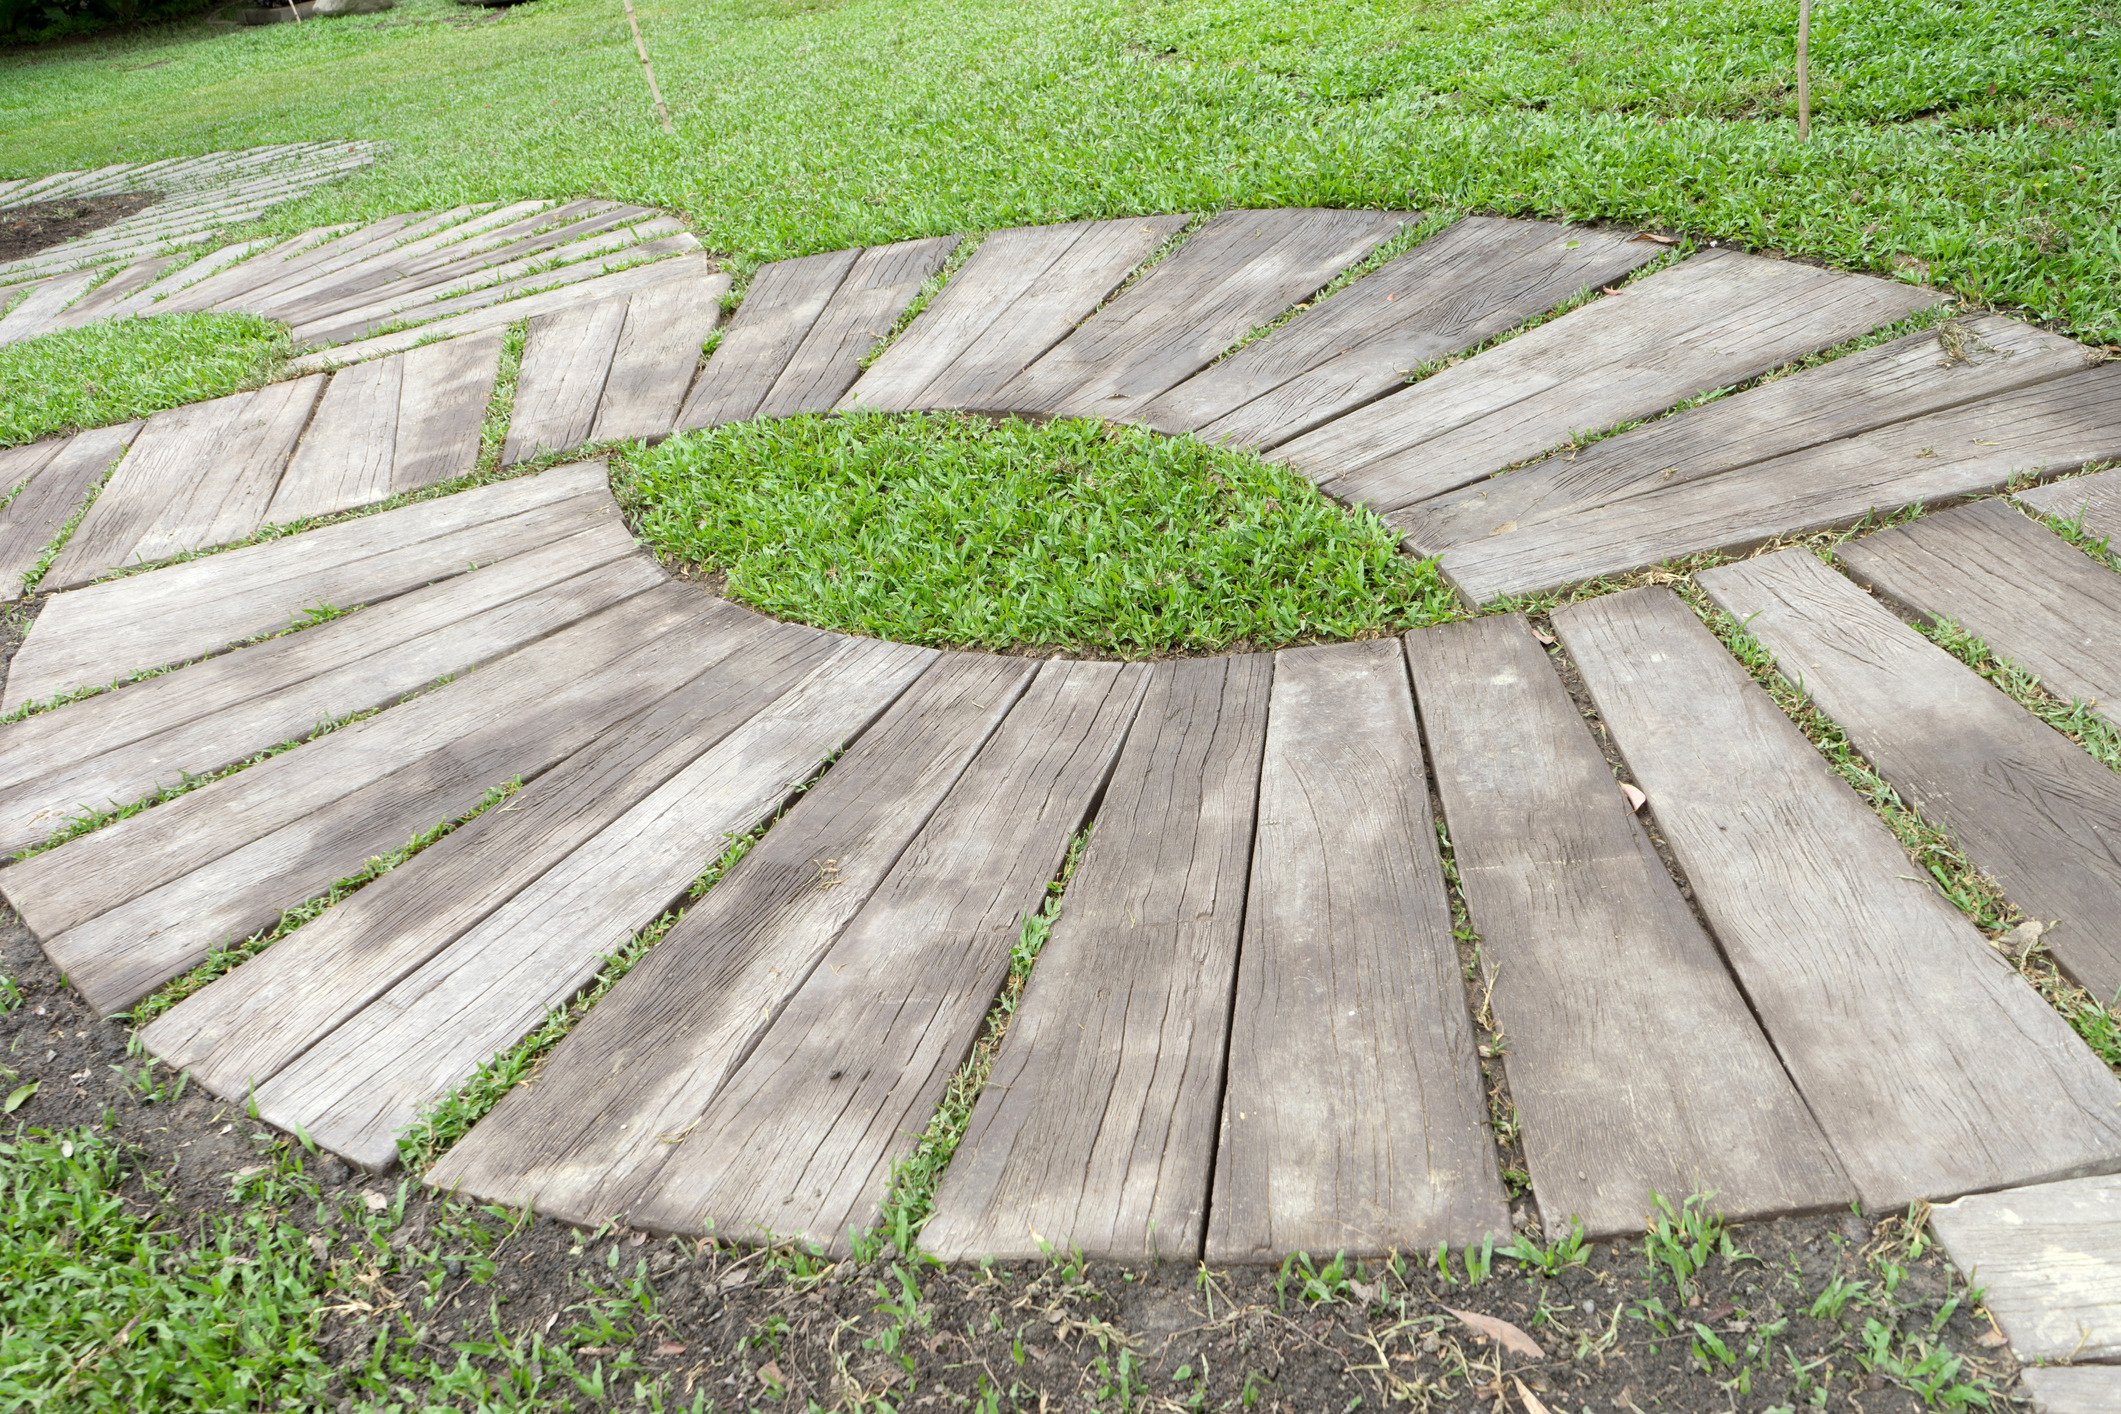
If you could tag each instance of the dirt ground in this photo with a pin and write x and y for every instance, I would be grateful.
(27, 229)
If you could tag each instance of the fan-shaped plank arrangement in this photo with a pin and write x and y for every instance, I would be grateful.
(1251, 1030)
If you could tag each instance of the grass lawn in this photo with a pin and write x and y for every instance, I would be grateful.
(1974, 141)
(103, 373)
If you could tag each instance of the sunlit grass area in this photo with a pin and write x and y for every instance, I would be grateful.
(112, 371)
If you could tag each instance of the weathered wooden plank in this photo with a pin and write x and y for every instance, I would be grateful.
(49, 480)
(390, 262)
(1931, 1066)
(1020, 294)
(126, 908)
(220, 280)
(40, 309)
(447, 389)
(1130, 1000)
(2049, 1261)
(879, 286)
(2028, 808)
(2092, 503)
(92, 636)
(124, 745)
(2073, 1389)
(566, 358)
(1715, 319)
(2034, 598)
(196, 477)
(345, 454)
(1526, 530)
(1353, 1119)
(657, 355)
(780, 306)
(684, 1017)
(103, 300)
(249, 1026)
(800, 1141)
(1630, 1052)
(1236, 273)
(1467, 284)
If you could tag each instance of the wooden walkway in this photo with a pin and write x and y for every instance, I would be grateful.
(1693, 957)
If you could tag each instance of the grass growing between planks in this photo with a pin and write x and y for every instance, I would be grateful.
(114, 371)
(1070, 535)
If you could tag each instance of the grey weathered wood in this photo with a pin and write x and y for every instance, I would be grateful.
(686, 1014)
(447, 389)
(566, 358)
(1234, 274)
(2073, 1389)
(800, 1142)
(126, 908)
(879, 286)
(39, 310)
(147, 299)
(248, 1027)
(657, 355)
(1933, 1068)
(2034, 598)
(2092, 503)
(2049, 1260)
(1710, 321)
(103, 300)
(122, 746)
(1353, 1118)
(345, 454)
(1630, 1052)
(1097, 1125)
(1019, 295)
(92, 636)
(1601, 510)
(2026, 805)
(780, 306)
(367, 1081)
(49, 480)
(1460, 287)
(382, 265)
(196, 477)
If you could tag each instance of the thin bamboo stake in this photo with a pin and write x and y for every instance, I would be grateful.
(655, 90)
(1804, 68)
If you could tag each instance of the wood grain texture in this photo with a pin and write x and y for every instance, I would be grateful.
(366, 1082)
(658, 353)
(1097, 1125)
(443, 412)
(566, 358)
(1462, 286)
(88, 637)
(1514, 533)
(2092, 503)
(2073, 1389)
(1712, 320)
(345, 455)
(2027, 593)
(1933, 1068)
(780, 306)
(1353, 1118)
(40, 309)
(800, 1142)
(1020, 294)
(1237, 272)
(879, 286)
(689, 1012)
(2049, 1260)
(126, 908)
(2028, 807)
(50, 480)
(1631, 1055)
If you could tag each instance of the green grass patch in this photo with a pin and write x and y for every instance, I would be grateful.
(1071, 535)
(115, 370)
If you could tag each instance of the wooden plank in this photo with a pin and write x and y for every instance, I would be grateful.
(48, 495)
(392, 261)
(1020, 294)
(1630, 1052)
(657, 355)
(2073, 1389)
(1354, 1118)
(2034, 598)
(685, 1015)
(251, 1025)
(1715, 319)
(146, 300)
(2026, 805)
(39, 310)
(218, 281)
(780, 307)
(1236, 273)
(124, 745)
(800, 1141)
(1461, 287)
(370, 1079)
(1525, 528)
(2049, 1262)
(130, 906)
(448, 387)
(566, 358)
(879, 286)
(100, 302)
(1931, 1066)
(1130, 1000)
(2092, 503)
(345, 454)
(92, 636)
(196, 477)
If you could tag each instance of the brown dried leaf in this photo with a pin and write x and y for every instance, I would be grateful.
(1532, 1402)
(1636, 799)
(1504, 1334)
